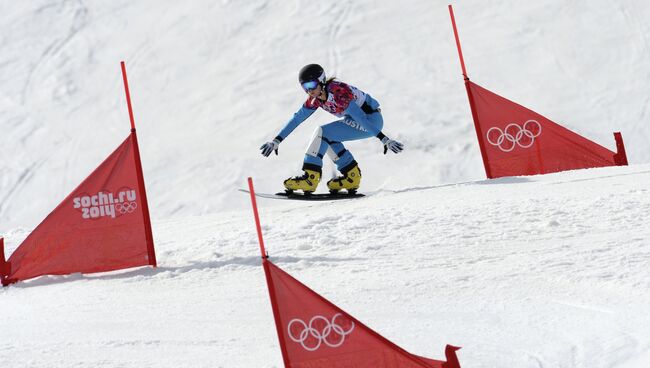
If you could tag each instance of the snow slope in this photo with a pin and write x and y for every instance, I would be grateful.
(522, 272)
(212, 80)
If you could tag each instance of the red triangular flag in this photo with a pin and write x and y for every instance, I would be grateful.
(102, 225)
(313, 332)
(517, 141)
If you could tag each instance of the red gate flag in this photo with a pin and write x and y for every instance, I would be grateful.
(103, 225)
(517, 141)
(313, 332)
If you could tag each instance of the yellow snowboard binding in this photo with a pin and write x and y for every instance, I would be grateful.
(350, 180)
(307, 182)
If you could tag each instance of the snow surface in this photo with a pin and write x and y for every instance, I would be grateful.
(547, 271)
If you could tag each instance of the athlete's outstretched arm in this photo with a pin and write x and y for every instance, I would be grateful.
(300, 116)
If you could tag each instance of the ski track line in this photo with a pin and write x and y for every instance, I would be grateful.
(335, 34)
(55, 47)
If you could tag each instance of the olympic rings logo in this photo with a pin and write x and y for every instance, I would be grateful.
(319, 330)
(126, 207)
(514, 135)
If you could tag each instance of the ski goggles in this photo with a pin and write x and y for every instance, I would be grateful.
(310, 86)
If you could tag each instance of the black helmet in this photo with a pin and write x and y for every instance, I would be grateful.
(312, 72)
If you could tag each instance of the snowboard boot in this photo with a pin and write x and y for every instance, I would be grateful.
(350, 180)
(307, 182)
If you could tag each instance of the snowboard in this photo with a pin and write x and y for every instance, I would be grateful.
(311, 197)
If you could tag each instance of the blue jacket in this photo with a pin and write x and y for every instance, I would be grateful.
(343, 100)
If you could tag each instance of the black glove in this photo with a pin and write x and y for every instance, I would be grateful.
(269, 147)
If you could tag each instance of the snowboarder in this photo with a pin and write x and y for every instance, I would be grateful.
(361, 118)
